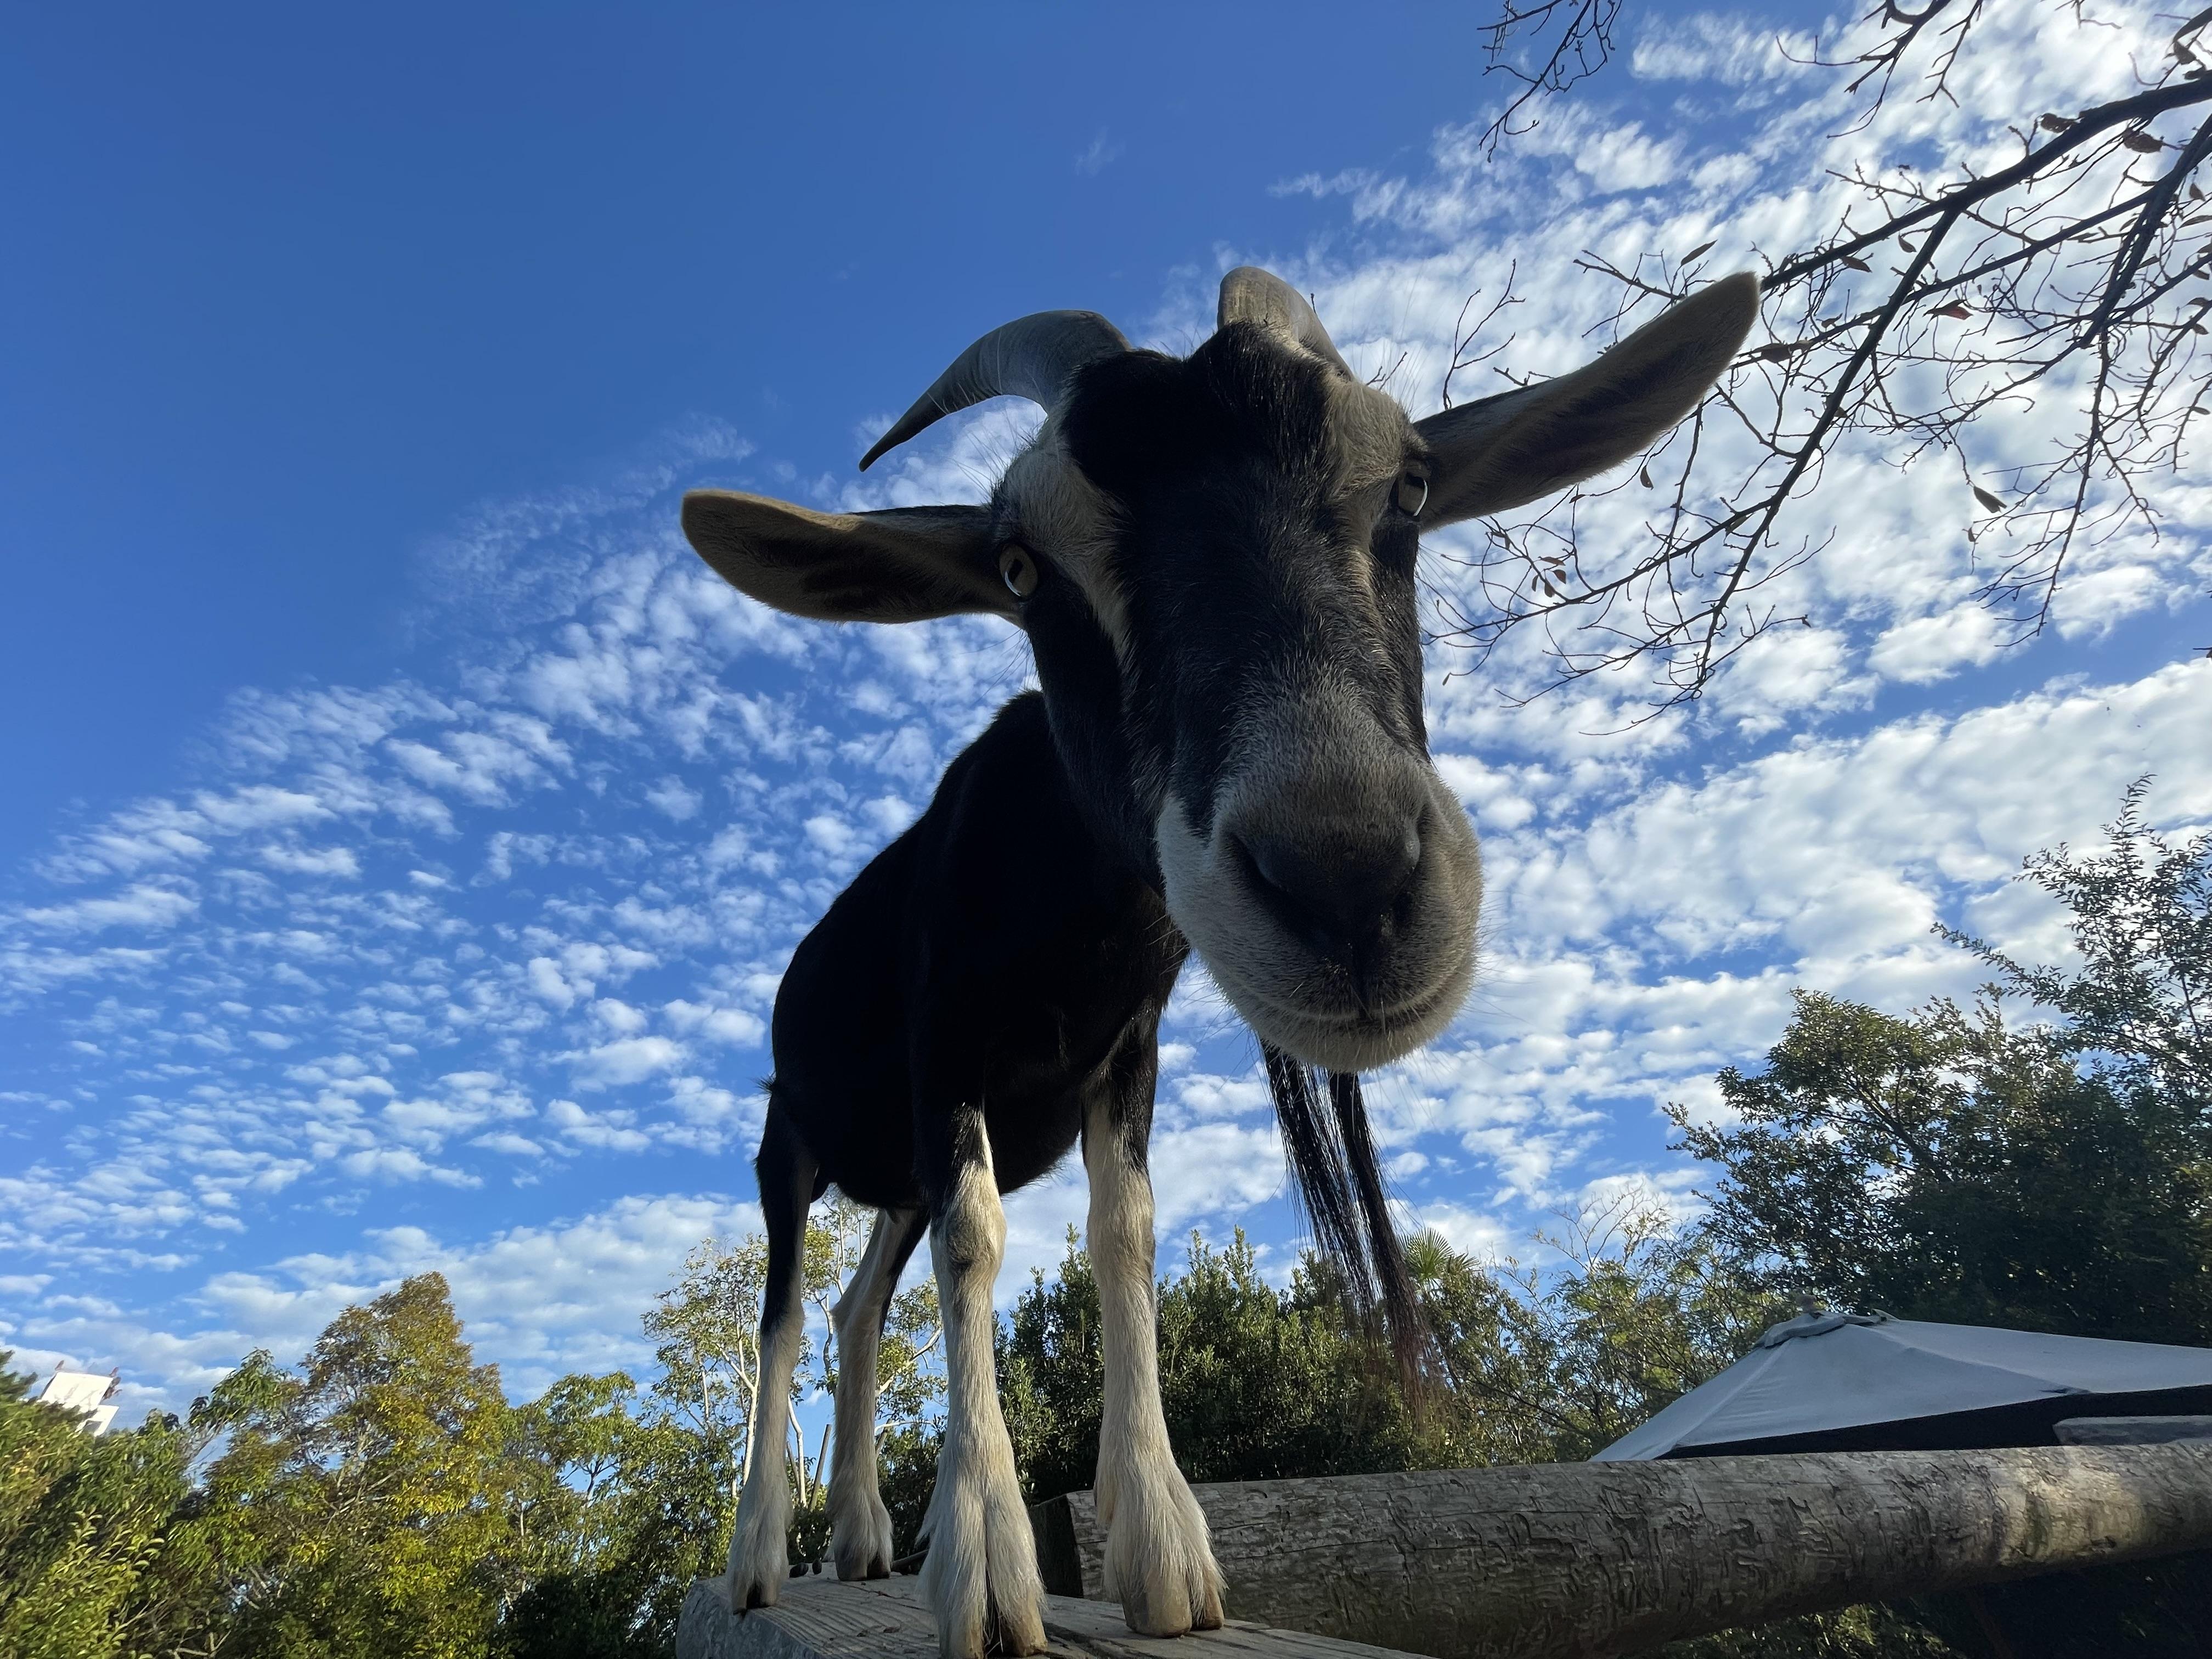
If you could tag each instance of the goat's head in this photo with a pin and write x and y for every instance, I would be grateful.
(1213, 557)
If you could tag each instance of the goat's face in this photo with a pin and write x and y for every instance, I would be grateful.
(1223, 618)
(1214, 560)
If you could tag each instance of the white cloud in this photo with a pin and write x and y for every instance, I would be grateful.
(618, 1016)
(1484, 1237)
(733, 1026)
(674, 798)
(535, 1300)
(142, 905)
(312, 860)
(399, 1163)
(1926, 649)
(447, 933)
(1098, 155)
(608, 1131)
(627, 1060)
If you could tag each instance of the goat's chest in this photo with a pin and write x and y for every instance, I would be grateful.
(1058, 1005)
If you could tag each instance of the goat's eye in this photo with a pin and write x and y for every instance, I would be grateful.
(1411, 493)
(1018, 568)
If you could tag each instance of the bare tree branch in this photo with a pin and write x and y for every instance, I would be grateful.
(2065, 280)
(1584, 46)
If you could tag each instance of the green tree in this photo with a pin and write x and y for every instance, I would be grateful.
(706, 1328)
(82, 1521)
(1947, 1165)
(1955, 1164)
(367, 1504)
(1259, 1383)
(383, 1498)
(1634, 1313)
(1256, 1383)
(631, 1506)
(2141, 917)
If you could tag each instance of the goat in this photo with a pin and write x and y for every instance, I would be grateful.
(1214, 560)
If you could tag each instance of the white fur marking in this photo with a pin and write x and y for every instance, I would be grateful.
(860, 1525)
(1066, 519)
(1159, 1565)
(759, 1557)
(980, 1578)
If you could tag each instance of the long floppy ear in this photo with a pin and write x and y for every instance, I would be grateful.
(1506, 450)
(906, 564)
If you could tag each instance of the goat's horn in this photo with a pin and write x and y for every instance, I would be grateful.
(1031, 357)
(1250, 295)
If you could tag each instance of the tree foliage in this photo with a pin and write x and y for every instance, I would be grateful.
(384, 1497)
(1259, 1383)
(1945, 1165)
(80, 1521)
(362, 1505)
(2139, 1005)
(1953, 1165)
(707, 1327)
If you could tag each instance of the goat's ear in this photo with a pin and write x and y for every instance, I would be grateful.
(905, 564)
(1503, 451)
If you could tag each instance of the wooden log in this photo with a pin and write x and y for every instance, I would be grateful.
(818, 1617)
(2131, 1430)
(1579, 1560)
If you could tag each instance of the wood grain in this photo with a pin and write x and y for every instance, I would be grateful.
(819, 1617)
(1579, 1560)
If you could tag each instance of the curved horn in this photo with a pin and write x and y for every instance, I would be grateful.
(1030, 357)
(1250, 295)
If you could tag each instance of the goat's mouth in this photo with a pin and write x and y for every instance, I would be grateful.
(1357, 1038)
(1348, 964)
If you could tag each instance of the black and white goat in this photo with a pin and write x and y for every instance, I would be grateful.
(1213, 558)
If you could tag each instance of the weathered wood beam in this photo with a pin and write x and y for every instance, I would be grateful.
(818, 1617)
(2131, 1430)
(1581, 1561)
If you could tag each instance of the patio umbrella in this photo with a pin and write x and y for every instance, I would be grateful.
(1836, 1382)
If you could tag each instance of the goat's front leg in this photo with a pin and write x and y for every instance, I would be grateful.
(860, 1525)
(1159, 1565)
(981, 1576)
(759, 1554)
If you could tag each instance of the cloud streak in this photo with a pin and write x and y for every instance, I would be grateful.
(472, 969)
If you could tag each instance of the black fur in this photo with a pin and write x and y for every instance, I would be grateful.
(987, 964)
(1232, 567)
(1341, 1187)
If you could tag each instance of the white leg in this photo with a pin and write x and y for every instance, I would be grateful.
(1159, 1565)
(860, 1525)
(759, 1556)
(982, 1575)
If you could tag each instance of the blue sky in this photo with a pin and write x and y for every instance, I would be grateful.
(407, 832)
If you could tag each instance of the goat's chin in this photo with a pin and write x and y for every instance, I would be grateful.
(1352, 1040)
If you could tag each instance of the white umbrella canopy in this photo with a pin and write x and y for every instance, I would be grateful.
(1822, 1375)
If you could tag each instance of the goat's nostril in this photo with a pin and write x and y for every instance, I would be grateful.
(1341, 887)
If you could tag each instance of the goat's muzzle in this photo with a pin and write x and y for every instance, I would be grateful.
(1337, 914)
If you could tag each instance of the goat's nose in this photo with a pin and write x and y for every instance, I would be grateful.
(1343, 887)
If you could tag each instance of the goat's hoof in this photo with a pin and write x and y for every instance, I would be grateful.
(984, 1609)
(860, 1538)
(759, 1564)
(1158, 1564)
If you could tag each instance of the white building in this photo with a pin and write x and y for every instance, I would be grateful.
(83, 1391)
